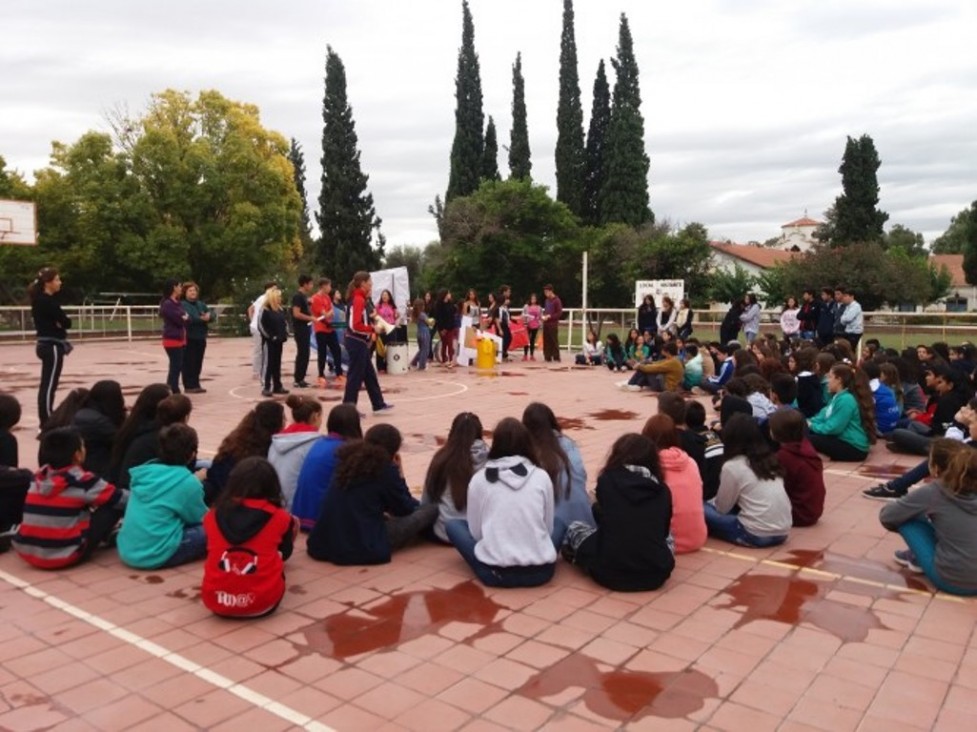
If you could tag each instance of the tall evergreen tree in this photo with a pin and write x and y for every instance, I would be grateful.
(571, 165)
(520, 165)
(857, 217)
(624, 191)
(490, 157)
(600, 120)
(970, 243)
(468, 146)
(347, 218)
(297, 159)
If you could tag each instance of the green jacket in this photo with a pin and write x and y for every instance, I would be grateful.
(841, 419)
(163, 501)
(196, 328)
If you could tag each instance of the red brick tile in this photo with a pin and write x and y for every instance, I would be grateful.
(472, 695)
(389, 700)
(212, 708)
(519, 713)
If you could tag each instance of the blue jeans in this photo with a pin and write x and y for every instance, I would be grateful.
(423, 346)
(727, 526)
(910, 478)
(490, 576)
(192, 547)
(920, 536)
(176, 368)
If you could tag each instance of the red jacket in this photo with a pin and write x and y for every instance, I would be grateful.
(359, 318)
(321, 306)
(247, 545)
(803, 480)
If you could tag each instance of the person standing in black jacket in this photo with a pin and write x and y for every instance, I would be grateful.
(809, 315)
(274, 333)
(826, 317)
(301, 319)
(51, 324)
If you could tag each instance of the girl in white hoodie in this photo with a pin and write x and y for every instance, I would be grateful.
(509, 538)
(290, 446)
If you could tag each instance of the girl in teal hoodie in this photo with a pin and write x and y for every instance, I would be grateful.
(163, 520)
(845, 429)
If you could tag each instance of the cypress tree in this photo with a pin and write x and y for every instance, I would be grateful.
(857, 217)
(347, 218)
(468, 146)
(490, 158)
(297, 159)
(624, 191)
(520, 166)
(600, 120)
(570, 159)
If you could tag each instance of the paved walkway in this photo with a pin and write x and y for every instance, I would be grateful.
(825, 633)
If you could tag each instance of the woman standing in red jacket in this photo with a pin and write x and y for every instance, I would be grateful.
(359, 335)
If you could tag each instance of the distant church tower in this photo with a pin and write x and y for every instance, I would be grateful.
(798, 236)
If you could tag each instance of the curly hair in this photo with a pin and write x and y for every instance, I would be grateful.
(252, 436)
(452, 464)
(366, 459)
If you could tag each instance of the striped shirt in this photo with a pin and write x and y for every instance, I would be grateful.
(57, 513)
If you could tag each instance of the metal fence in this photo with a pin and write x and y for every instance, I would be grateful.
(132, 322)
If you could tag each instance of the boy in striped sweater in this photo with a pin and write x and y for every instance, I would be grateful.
(68, 511)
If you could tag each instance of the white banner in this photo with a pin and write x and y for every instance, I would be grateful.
(675, 289)
(395, 280)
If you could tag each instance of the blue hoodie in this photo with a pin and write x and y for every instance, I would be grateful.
(887, 411)
(164, 500)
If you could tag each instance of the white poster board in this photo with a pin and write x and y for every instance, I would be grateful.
(468, 336)
(675, 289)
(396, 280)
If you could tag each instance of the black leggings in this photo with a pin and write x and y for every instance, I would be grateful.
(52, 360)
(837, 449)
(329, 341)
(273, 361)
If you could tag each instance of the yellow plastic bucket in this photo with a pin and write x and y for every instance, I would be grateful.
(485, 354)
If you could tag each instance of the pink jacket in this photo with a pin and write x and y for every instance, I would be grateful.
(688, 521)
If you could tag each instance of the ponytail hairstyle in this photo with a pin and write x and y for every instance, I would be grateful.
(856, 382)
(45, 275)
(358, 279)
(304, 409)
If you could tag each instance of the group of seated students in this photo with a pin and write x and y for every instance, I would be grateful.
(510, 508)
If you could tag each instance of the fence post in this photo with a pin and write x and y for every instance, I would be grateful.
(129, 323)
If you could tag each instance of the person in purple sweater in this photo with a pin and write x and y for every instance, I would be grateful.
(174, 331)
(552, 312)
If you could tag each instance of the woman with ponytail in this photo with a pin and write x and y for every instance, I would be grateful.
(845, 429)
(52, 326)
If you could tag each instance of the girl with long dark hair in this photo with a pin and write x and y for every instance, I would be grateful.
(252, 436)
(98, 420)
(51, 324)
(452, 468)
(751, 481)
(175, 321)
(845, 429)
(444, 321)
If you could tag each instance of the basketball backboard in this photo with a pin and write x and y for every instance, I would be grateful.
(18, 222)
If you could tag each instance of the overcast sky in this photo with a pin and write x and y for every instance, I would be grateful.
(746, 102)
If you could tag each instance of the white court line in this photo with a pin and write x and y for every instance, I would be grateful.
(257, 699)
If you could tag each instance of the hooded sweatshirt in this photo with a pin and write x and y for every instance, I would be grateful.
(954, 518)
(510, 513)
(634, 512)
(887, 411)
(164, 500)
(57, 513)
(803, 481)
(681, 475)
(287, 453)
(352, 528)
(447, 511)
(247, 545)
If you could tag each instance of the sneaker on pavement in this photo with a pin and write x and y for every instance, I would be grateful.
(301, 385)
(266, 392)
(383, 408)
(882, 492)
(907, 559)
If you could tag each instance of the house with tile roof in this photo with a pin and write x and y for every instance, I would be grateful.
(754, 259)
(798, 236)
(963, 296)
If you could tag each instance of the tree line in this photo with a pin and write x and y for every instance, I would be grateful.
(198, 188)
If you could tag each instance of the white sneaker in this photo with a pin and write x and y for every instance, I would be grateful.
(633, 387)
(622, 384)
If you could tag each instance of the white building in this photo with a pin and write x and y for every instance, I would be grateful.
(798, 236)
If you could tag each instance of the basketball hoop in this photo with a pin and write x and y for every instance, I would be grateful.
(18, 223)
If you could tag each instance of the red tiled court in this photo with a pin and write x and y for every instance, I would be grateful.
(825, 633)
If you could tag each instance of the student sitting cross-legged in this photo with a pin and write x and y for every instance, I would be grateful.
(163, 520)
(68, 511)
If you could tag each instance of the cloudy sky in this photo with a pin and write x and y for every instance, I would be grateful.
(746, 102)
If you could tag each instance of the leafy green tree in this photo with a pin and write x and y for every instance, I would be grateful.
(490, 157)
(624, 190)
(855, 216)
(520, 165)
(877, 276)
(600, 120)
(12, 183)
(571, 162)
(347, 218)
(954, 239)
(904, 238)
(468, 145)
(297, 158)
(680, 254)
(727, 286)
(970, 245)
(508, 232)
